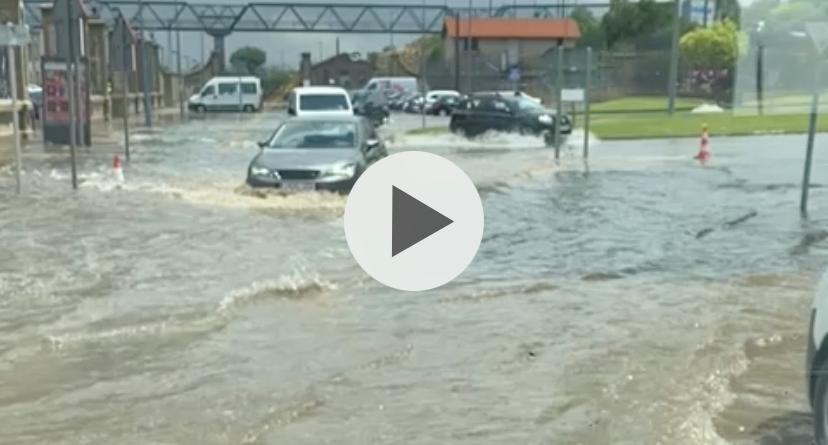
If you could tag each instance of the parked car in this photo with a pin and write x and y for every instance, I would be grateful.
(399, 103)
(444, 106)
(414, 104)
(434, 95)
(513, 93)
(316, 153)
(507, 113)
(228, 93)
(817, 362)
(373, 107)
(319, 101)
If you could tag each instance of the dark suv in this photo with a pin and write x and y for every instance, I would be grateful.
(498, 112)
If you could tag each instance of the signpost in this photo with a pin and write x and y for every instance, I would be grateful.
(14, 36)
(819, 35)
(514, 77)
(122, 61)
(587, 88)
(559, 105)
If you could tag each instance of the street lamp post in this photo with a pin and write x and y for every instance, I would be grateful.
(760, 61)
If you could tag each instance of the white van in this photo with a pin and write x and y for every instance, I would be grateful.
(401, 85)
(228, 93)
(322, 101)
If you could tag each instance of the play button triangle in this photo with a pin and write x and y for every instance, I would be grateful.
(412, 221)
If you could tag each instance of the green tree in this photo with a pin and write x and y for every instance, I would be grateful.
(592, 34)
(627, 22)
(714, 47)
(248, 59)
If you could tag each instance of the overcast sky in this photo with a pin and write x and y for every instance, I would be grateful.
(289, 46)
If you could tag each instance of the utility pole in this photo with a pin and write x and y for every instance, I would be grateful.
(423, 69)
(469, 39)
(181, 93)
(142, 47)
(558, 104)
(70, 86)
(674, 59)
(587, 90)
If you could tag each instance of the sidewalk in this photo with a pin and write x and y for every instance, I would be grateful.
(105, 139)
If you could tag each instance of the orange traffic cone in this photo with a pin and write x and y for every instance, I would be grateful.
(704, 147)
(117, 170)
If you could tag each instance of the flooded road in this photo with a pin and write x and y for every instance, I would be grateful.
(636, 299)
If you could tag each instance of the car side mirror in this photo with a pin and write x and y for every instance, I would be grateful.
(262, 144)
(371, 144)
(291, 112)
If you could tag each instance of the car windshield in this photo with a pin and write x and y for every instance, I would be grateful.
(528, 104)
(322, 102)
(321, 134)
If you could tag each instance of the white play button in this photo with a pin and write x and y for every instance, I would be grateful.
(414, 221)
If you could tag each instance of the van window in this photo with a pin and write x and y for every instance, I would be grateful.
(372, 86)
(227, 88)
(249, 88)
(208, 91)
(321, 102)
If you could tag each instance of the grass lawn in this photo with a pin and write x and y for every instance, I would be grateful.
(650, 126)
(631, 126)
(644, 104)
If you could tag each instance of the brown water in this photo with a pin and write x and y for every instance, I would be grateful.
(182, 308)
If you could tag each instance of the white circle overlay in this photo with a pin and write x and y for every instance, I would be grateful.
(436, 182)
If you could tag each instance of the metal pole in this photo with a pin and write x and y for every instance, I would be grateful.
(423, 69)
(469, 69)
(457, 51)
(806, 176)
(587, 90)
(125, 91)
(558, 105)
(144, 66)
(760, 61)
(70, 86)
(674, 59)
(706, 6)
(15, 116)
(181, 95)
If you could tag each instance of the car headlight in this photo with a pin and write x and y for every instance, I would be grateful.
(259, 171)
(347, 169)
(545, 119)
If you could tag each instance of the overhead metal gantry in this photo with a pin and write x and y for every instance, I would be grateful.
(223, 19)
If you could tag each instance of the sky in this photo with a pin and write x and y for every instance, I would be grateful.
(285, 48)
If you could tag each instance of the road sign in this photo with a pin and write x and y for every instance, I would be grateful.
(514, 74)
(65, 10)
(572, 95)
(122, 44)
(818, 31)
(14, 35)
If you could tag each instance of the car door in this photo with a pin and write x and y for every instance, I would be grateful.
(208, 97)
(228, 95)
(502, 116)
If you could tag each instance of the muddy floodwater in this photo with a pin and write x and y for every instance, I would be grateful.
(636, 299)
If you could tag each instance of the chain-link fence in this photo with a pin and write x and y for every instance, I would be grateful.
(615, 74)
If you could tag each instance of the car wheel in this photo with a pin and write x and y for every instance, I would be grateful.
(248, 108)
(821, 405)
(200, 108)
